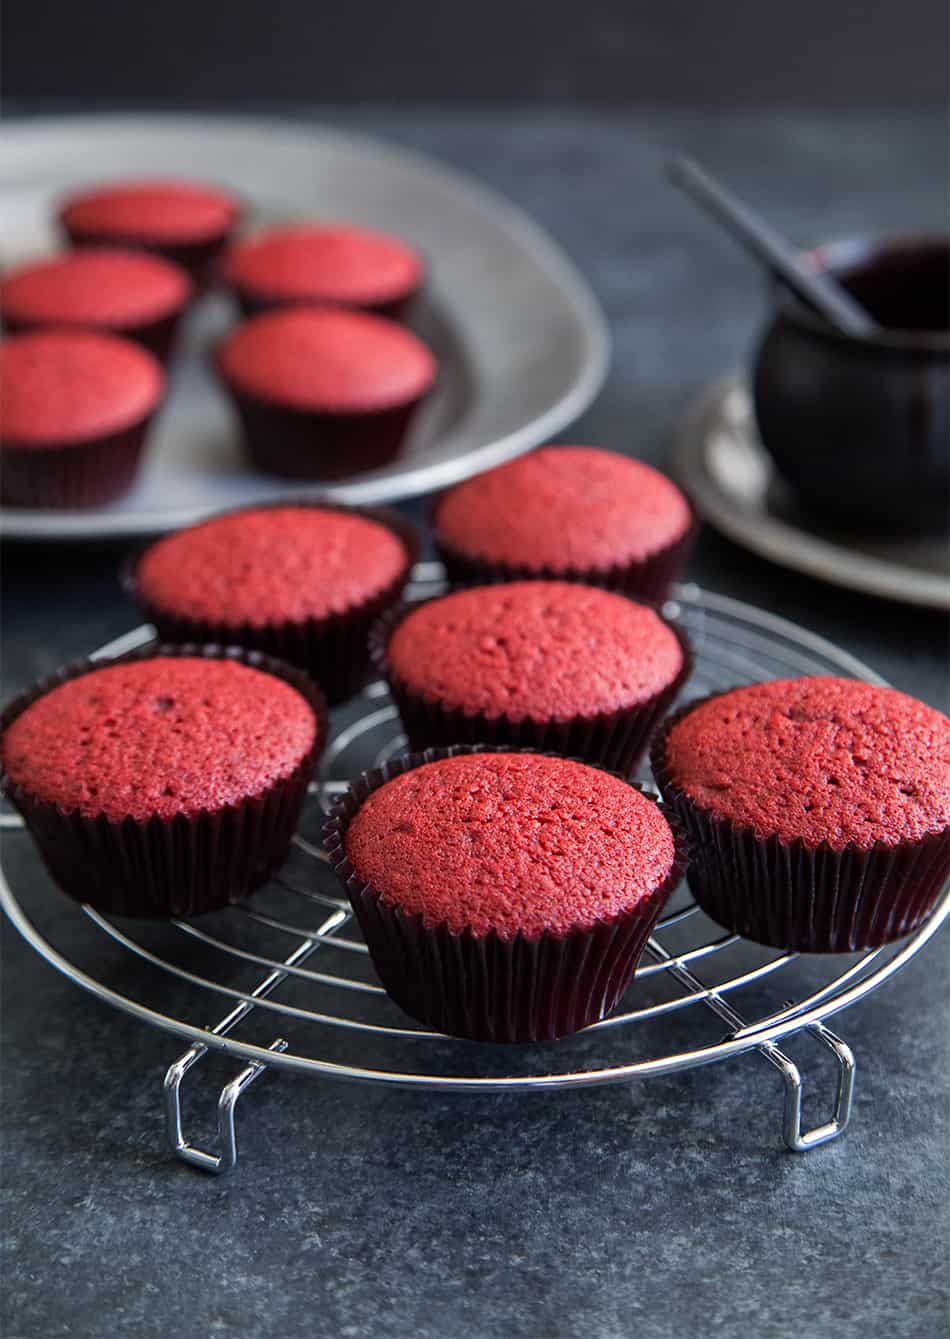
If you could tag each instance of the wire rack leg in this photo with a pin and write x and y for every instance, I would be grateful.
(226, 1159)
(797, 1140)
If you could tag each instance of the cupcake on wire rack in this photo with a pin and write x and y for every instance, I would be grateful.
(504, 896)
(571, 513)
(302, 582)
(167, 783)
(818, 810)
(549, 665)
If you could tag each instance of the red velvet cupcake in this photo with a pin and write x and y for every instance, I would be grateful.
(184, 221)
(575, 513)
(303, 583)
(324, 393)
(818, 810)
(120, 292)
(76, 410)
(549, 665)
(167, 783)
(503, 896)
(342, 264)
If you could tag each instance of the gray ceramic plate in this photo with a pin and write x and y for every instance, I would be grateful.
(721, 461)
(522, 344)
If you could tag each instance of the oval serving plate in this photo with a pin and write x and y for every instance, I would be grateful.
(522, 343)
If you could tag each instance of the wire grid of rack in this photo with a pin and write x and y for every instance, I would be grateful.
(700, 994)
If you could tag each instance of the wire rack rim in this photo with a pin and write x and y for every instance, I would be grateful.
(764, 1033)
(247, 1051)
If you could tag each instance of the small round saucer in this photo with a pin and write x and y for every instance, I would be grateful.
(722, 464)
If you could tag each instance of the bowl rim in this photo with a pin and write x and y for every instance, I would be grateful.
(842, 254)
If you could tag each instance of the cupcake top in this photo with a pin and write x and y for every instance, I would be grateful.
(95, 287)
(563, 508)
(816, 760)
(510, 842)
(164, 212)
(272, 565)
(348, 265)
(548, 650)
(326, 359)
(58, 387)
(159, 737)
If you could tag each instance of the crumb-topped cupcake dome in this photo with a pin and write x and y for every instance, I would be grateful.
(516, 843)
(164, 212)
(159, 737)
(343, 264)
(817, 760)
(326, 360)
(98, 287)
(60, 387)
(564, 510)
(544, 649)
(272, 564)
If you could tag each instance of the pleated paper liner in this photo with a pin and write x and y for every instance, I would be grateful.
(332, 650)
(318, 444)
(83, 474)
(156, 336)
(486, 987)
(791, 896)
(170, 867)
(252, 302)
(648, 579)
(615, 740)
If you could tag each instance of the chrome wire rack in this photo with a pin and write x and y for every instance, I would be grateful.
(700, 995)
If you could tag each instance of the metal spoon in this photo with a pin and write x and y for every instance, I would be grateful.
(818, 288)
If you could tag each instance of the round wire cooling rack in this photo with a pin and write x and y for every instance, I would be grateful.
(253, 960)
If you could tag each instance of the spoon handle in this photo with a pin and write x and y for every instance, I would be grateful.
(816, 288)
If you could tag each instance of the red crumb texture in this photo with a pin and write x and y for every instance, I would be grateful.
(272, 565)
(58, 387)
(95, 287)
(565, 507)
(325, 359)
(819, 760)
(548, 650)
(511, 842)
(167, 212)
(326, 264)
(159, 737)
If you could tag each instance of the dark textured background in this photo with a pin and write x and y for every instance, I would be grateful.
(702, 53)
(660, 1209)
(666, 1208)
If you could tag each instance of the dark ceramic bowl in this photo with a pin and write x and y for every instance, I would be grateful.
(858, 425)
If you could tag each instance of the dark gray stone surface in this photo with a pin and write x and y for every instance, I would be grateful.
(664, 1208)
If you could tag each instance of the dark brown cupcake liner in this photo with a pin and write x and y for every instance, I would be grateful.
(615, 740)
(307, 444)
(251, 303)
(648, 579)
(486, 987)
(169, 867)
(158, 337)
(791, 896)
(83, 474)
(333, 650)
(199, 259)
